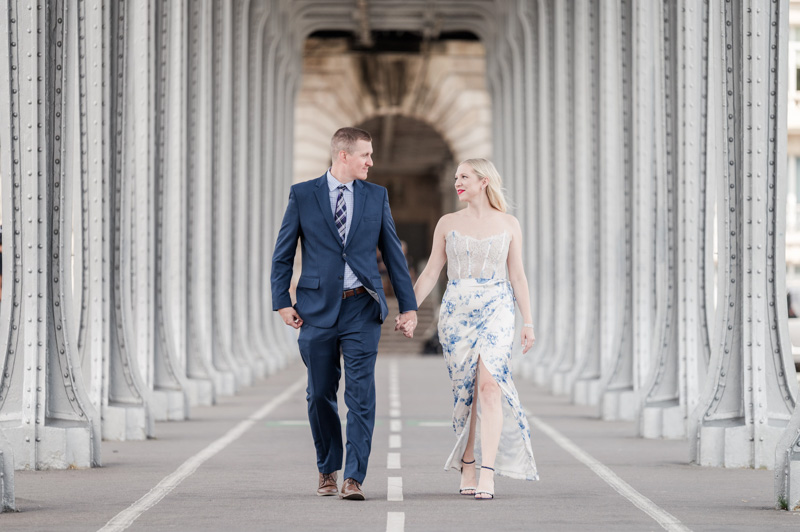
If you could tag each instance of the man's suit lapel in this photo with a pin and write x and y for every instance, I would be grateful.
(324, 200)
(359, 199)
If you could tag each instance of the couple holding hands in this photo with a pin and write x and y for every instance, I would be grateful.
(340, 219)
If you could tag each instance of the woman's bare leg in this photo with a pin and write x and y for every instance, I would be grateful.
(468, 476)
(490, 395)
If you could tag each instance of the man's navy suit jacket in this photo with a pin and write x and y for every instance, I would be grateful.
(319, 290)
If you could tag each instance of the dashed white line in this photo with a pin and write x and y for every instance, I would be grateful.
(125, 518)
(395, 521)
(395, 489)
(393, 461)
(661, 516)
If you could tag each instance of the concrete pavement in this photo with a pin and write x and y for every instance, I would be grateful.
(248, 464)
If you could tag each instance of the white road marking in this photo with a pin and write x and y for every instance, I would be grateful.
(666, 520)
(395, 425)
(395, 522)
(395, 441)
(394, 412)
(394, 492)
(393, 461)
(125, 518)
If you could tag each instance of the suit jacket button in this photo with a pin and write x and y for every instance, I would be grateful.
(341, 277)
(344, 255)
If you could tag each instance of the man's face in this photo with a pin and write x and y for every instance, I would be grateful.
(359, 162)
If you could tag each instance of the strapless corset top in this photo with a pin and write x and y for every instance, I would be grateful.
(476, 258)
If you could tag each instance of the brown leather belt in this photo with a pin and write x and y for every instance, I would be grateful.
(355, 291)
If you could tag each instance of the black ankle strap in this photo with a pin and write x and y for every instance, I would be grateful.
(487, 467)
(468, 463)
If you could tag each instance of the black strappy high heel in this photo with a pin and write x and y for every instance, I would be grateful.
(489, 493)
(463, 491)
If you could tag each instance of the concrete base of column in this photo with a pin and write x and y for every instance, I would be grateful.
(663, 420)
(620, 405)
(169, 405)
(542, 376)
(59, 445)
(244, 376)
(123, 422)
(225, 383)
(7, 503)
(200, 392)
(728, 443)
(586, 392)
(259, 368)
(562, 384)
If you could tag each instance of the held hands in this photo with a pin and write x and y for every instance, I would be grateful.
(406, 322)
(527, 339)
(291, 317)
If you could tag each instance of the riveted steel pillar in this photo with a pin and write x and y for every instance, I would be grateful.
(126, 414)
(545, 347)
(90, 196)
(526, 215)
(681, 341)
(281, 340)
(252, 206)
(246, 17)
(47, 415)
(225, 229)
(204, 362)
(655, 323)
(618, 400)
(284, 344)
(173, 263)
(7, 499)
(170, 400)
(751, 387)
(585, 373)
(565, 185)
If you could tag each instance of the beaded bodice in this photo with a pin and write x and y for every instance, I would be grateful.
(473, 258)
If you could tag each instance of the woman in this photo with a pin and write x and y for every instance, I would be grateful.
(476, 329)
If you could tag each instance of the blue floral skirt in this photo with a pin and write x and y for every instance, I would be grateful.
(477, 319)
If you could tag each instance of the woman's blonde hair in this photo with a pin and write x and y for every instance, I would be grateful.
(494, 190)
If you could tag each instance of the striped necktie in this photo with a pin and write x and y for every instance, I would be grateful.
(341, 213)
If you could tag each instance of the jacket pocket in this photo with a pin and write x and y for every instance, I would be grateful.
(308, 282)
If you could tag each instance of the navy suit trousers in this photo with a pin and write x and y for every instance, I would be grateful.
(353, 338)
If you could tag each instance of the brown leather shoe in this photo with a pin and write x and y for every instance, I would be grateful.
(351, 490)
(327, 484)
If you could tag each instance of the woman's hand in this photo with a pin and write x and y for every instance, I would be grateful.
(527, 339)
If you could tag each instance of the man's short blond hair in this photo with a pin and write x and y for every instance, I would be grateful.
(345, 139)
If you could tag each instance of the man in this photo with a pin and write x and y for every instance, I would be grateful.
(340, 219)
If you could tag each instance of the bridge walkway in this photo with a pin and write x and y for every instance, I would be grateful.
(247, 464)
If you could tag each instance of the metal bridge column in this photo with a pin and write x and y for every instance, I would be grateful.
(48, 416)
(545, 347)
(223, 207)
(170, 386)
(751, 388)
(203, 363)
(564, 196)
(584, 376)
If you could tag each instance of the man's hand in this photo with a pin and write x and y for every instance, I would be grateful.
(406, 322)
(291, 317)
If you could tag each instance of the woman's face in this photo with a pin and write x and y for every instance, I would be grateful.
(468, 185)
